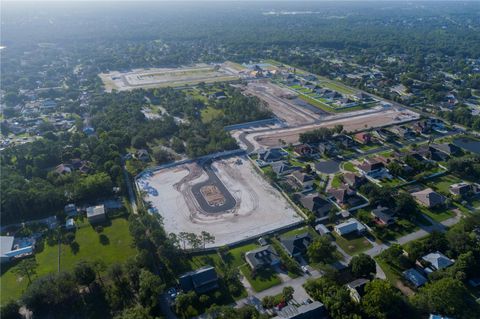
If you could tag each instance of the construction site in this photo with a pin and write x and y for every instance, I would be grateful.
(168, 77)
(226, 197)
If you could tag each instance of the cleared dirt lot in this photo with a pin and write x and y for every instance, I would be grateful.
(375, 118)
(282, 103)
(164, 77)
(259, 207)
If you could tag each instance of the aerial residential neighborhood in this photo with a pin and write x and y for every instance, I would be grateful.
(249, 160)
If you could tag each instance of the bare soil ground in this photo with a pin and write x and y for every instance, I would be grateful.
(280, 101)
(351, 123)
(164, 77)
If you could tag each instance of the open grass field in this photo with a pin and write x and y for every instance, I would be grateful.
(338, 87)
(438, 215)
(117, 248)
(352, 245)
(209, 114)
(441, 184)
(348, 166)
(264, 278)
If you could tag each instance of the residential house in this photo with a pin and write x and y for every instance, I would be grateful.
(345, 196)
(422, 127)
(447, 148)
(272, 155)
(383, 215)
(70, 210)
(202, 280)
(14, 248)
(345, 141)
(327, 148)
(218, 95)
(357, 289)
(429, 198)
(63, 169)
(353, 180)
(414, 277)
(383, 134)
(296, 245)
(346, 102)
(363, 138)
(460, 189)
(142, 155)
(70, 224)
(304, 180)
(282, 168)
(362, 97)
(350, 226)
(262, 257)
(372, 167)
(96, 214)
(437, 261)
(403, 132)
(314, 310)
(303, 150)
(322, 229)
(317, 204)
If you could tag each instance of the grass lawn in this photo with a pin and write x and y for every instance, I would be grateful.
(264, 278)
(117, 249)
(441, 184)
(211, 259)
(235, 259)
(209, 114)
(336, 181)
(301, 230)
(392, 275)
(352, 245)
(339, 88)
(348, 166)
(317, 103)
(438, 215)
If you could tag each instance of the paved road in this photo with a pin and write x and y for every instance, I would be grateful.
(426, 230)
(213, 179)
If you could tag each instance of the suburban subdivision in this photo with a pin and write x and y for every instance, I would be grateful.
(224, 160)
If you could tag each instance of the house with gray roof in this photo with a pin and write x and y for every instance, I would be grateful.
(437, 260)
(317, 204)
(296, 245)
(202, 280)
(414, 277)
(96, 214)
(429, 198)
(314, 310)
(262, 257)
(350, 226)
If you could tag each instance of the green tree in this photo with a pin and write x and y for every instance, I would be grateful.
(362, 266)
(321, 250)
(84, 273)
(150, 289)
(287, 293)
(382, 301)
(447, 297)
(10, 310)
(206, 238)
(26, 268)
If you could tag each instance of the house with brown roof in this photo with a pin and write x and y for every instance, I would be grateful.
(303, 179)
(317, 204)
(363, 137)
(383, 216)
(353, 180)
(372, 167)
(429, 198)
(303, 150)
